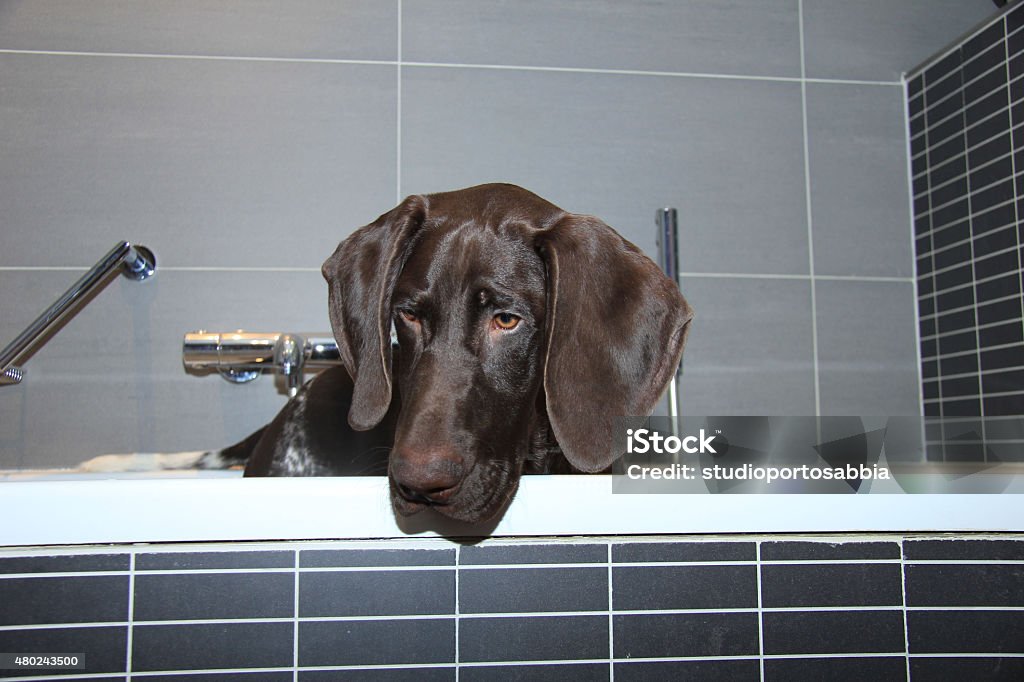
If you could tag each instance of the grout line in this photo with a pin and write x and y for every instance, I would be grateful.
(455, 65)
(903, 595)
(398, 125)
(760, 613)
(131, 617)
(810, 220)
(611, 617)
(295, 625)
(458, 611)
(913, 249)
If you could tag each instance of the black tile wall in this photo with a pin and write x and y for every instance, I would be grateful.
(967, 160)
(875, 607)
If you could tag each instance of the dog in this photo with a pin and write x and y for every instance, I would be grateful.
(522, 331)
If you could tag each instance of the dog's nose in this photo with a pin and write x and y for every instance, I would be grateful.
(426, 476)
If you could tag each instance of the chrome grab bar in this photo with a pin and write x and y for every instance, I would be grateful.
(667, 220)
(241, 356)
(136, 262)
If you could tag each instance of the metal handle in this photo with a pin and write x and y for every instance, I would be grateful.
(667, 220)
(136, 262)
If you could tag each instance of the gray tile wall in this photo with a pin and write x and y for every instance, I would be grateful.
(242, 140)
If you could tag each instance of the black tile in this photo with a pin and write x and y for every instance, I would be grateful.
(993, 219)
(212, 646)
(945, 131)
(925, 285)
(964, 452)
(686, 635)
(965, 585)
(950, 213)
(991, 196)
(1000, 335)
(915, 85)
(698, 671)
(653, 552)
(954, 278)
(684, 587)
(65, 564)
(1004, 357)
(169, 561)
(963, 387)
(534, 554)
(965, 631)
(533, 590)
(198, 596)
(1004, 405)
(918, 143)
(925, 265)
(947, 669)
(961, 408)
(75, 599)
(949, 192)
(981, 43)
(105, 648)
(947, 258)
(1003, 382)
(952, 234)
(831, 585)
(328, 558)
(431, 674)
(929, 369)
(939, 111)
(562, 672)
(986, 175)
(921, 204)
(827, 632)
(376, 593)
(958, 343)
(929, 348)
(999, 148)
(996, 265)
(936, 75)
(1007, 285)
(955, 298)
(537, 638)
(997, 240)
(987, 105)
(918, 165)
(1000, 311)
(988, 128)
(931, 390)
(960, 364)
(958, 321)
(950, 170)
(932, 410)
(940, 152)
(980, 87)
(377, 642)
(1005, 429)
(920, 185)
(1014, 21)
(888, 668)
(926, 306)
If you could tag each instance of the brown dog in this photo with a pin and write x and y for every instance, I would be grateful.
(523, 330)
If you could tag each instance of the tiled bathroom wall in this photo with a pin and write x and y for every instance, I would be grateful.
(966, 144)
(242, 140)
(867, 607)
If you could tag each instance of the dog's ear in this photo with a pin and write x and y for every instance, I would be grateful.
(615, 335)
(361, 276)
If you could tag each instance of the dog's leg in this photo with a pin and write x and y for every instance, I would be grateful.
(235, 455)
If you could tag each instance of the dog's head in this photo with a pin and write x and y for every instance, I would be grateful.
(509, 312)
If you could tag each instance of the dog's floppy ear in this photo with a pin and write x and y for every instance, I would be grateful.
(615, 335)
(361, 276)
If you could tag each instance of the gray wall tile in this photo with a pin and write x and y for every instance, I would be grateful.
(307, 29)
(727, 153)
(749, 351)
(208, 162)
(880, 39)
(858, 178)
(866, 348)
(646, 35)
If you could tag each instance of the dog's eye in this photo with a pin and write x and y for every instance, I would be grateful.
(506, 321)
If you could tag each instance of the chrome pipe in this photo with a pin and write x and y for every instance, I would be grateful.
(136, 262)
(667, 220)
(241, 350)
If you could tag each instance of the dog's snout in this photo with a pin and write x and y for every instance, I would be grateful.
(426, 475)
